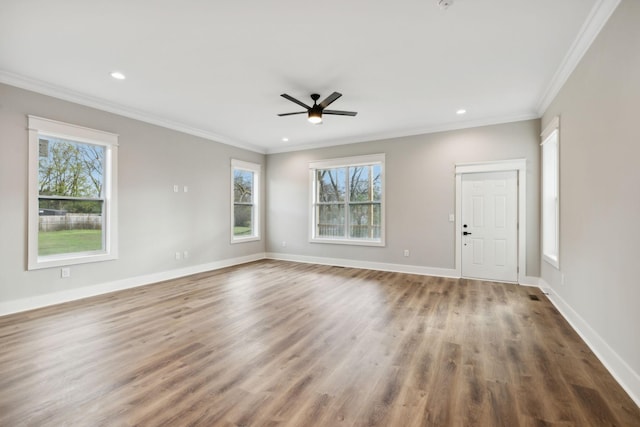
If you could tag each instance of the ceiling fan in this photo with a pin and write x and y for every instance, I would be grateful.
(315, 112)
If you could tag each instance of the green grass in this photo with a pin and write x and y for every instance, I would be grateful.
(241, 231)
(69, 241)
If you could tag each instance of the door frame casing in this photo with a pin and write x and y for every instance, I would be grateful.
(518, 165)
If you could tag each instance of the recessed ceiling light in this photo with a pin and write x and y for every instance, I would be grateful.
(461, 111)
(285, 139)
(118, 75)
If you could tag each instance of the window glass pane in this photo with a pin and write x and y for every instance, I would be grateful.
(364, 221)
(243, 220)
(72, 169)
(69, 226)
(242, 186)
(360, 185)
(331, 221)
(331, 185)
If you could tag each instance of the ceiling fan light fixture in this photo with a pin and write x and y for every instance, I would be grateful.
(315, 116)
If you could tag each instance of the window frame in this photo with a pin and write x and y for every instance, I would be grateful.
(550, 182)
(255, 168)
(346, 162)
(41, 127)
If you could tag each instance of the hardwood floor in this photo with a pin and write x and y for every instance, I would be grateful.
(274, 343)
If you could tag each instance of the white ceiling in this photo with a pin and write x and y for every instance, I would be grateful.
(217, 68)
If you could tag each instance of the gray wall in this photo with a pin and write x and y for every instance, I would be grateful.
(154, 222)
(420, 193)
(599, 186)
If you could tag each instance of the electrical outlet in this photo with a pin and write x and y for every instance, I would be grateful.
(65, 272)
(178, 255)
(406, 252)
(176, 188)
(452, 218)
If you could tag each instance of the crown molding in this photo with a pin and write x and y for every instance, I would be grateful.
(66, 94)
(598, 17)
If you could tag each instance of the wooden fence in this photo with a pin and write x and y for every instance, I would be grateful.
(70, 222)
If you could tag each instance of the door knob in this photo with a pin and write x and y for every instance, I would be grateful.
(465, 233)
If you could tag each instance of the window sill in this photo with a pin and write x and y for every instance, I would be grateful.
(69, 260)
(235, 240)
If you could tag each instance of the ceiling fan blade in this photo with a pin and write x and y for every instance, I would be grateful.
(340, 113)
(329, 99)
(291, 114)
(292, 99)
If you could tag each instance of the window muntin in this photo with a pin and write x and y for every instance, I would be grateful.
(347, 205)
(245, 177)
(72, 194)
(551, 194)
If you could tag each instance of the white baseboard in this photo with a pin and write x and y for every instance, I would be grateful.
(383, 266)
(24, 304)
(621, 371)
(369, 265)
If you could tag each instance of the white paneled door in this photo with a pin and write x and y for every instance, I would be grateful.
(490, 226)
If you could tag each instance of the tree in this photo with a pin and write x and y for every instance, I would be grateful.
(71, 170)
(243, 185)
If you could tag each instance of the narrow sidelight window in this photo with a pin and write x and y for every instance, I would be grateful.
(551, 194)
(245, 178)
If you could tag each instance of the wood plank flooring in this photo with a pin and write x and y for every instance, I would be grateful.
(273, 343)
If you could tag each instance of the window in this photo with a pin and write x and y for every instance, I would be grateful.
(72, 194)
(550, 194)
(348, 200)
(245, 183)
